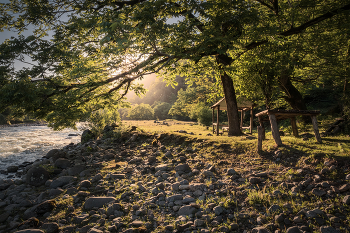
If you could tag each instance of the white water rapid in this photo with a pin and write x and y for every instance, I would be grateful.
(28, 143)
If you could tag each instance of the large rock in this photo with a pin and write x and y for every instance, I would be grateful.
(97, 202)
(44, 207)
(260, 230)
(50, 227)
(37, 176)
(293, 229)
(183, 168)
(30, 231)
(61, 181)
(62, 163)
(87, 136)
(4, 216)
(187, 210)
(328, 229)
(55, 154)
(76, 170)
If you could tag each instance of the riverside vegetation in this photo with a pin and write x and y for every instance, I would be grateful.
(157, 177)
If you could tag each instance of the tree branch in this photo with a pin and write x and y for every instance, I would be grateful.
(301, 28)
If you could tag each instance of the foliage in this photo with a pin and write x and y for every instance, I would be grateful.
(160, 91)
(123, 113)
(100, 118)
(3, 119)
(99, 48)
(204, 115)
(141, 112)
(161, 110)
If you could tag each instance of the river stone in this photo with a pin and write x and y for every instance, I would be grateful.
(260, 230)
(218, 210)
(87, 136)
(94, 230)
(97, 202)
(294, 229)
(183, 168)
(346, 200)
(12, 169)
(186, 210)
(50, 227)
(55, 192)
(327, 229)
(76, 170)
(52, 153)
(37, 176)
(318, 192)
(44, 207)
(62, 163)
(30, 231)
(231, 172)
(4, 216)
(85, 184)
(162, 167)
(61, 181)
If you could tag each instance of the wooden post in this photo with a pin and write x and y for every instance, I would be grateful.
(262, 125)
(242, 112)
(213, 118)
(274, 129)
(294, 127)
(217, 121)
(251, 121)
(317, 134)
(261, 133)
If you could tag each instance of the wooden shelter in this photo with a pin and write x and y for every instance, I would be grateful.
(273, 115)
(243, 105)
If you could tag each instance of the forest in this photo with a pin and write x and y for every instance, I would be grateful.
(84, 57)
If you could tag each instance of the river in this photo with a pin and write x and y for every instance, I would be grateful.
(28, 143)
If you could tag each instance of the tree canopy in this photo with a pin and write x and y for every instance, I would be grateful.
(99, 48)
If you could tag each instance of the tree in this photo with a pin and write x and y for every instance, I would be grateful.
(161, 110)
(141, 112)
(100, 47)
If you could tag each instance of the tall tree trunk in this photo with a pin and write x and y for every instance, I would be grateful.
(230, 97)
(346, 94)
(293, 96)
(231, 102)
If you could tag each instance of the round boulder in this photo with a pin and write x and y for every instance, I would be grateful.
(37, 176)
(87, 136)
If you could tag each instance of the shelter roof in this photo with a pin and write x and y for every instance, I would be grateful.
(242, 103)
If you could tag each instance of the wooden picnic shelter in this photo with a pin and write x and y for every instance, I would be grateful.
(243, 105)
(273, 115)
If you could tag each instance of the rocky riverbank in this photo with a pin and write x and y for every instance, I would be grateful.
(133, 181)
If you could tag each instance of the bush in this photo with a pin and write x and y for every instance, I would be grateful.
(141, 112)
(99, 119)
(161, 110)
(205, 116)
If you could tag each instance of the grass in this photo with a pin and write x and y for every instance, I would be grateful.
(332, 146)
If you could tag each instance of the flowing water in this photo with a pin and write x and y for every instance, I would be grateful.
(28, 143)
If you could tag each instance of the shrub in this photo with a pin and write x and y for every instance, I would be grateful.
(141, 112)
(99, 119)
(161, 110)
(205, 115)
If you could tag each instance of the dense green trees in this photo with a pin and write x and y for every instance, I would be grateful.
(141, 112)
(99, 48)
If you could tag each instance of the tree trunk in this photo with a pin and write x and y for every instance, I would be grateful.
(230, 97)
(231, 102)
(294, 97)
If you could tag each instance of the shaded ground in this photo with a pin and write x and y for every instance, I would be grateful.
(135, 181)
